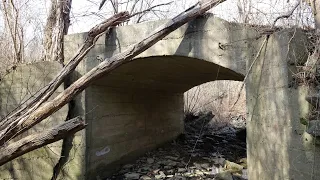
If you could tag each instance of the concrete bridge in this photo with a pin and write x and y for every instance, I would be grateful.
(139, 105)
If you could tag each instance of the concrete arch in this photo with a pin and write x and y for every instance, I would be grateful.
(174, 74)
(140, 104)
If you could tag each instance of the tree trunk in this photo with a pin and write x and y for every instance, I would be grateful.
(315, 6)
(35, 141)
(57, 26)
(13, 26)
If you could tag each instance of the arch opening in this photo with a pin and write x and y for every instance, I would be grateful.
(174, 74)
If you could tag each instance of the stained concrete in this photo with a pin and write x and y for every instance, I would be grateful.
(16, 88)
(140, 105)
(278, 147)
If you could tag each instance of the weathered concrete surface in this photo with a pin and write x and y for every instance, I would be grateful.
(278, 147)
(204, 50)
(16, 88)
(140, 104)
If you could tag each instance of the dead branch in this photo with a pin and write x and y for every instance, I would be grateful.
(151, 8)
(101, 4)
(142, 13)
(26, 122)
(287, 15)
(35, 141)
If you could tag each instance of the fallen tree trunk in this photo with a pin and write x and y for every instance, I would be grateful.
(48, 90)
(35, 141)
(24, 123)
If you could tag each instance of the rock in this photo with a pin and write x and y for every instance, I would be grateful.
(215, 170)
(171, 163)
(198, 172)
(161, 175)
(219, 161)
(233, 166)
(150, 160)
(314, 128)
(156, 171)
(172, 158)
(244, 174)
(144, 169)
(225, 175)
(181, 170)
(177, 178)
(132, 175)
(170, 171)
(145, 177)
(156, 166)
(187, 174)
(205, 166)
(243, 162)
(227, 130)
(238, 122)
(127, 166)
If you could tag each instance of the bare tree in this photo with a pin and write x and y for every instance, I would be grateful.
(57, 26)
(15, 30)
(133, 6)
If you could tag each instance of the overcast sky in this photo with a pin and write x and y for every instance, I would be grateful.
(85, 11)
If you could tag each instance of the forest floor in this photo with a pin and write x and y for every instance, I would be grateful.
(202, 152)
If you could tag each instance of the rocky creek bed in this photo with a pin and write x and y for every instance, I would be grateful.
(202, 152)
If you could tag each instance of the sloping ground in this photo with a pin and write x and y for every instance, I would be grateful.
(200, 153)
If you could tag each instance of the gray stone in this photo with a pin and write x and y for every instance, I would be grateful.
(172, 158)
(127, 166)
(150, 160)
(161, 175)
(225, 175)
(145, 177)
(180, 170)
(132, 175)
(314, 128)
(198, 172)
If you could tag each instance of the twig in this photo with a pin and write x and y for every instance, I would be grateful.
(287, 15)
(150, 8)
(245, 78)
(101, 4)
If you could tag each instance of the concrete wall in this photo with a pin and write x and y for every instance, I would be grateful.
(278, 147)
(16, 88)
(124, 124)
(140, 104)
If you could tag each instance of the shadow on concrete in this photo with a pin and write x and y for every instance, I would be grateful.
(276, 139)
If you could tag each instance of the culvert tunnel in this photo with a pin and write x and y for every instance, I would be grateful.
(139, 106)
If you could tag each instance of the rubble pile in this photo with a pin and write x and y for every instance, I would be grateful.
(199, 153)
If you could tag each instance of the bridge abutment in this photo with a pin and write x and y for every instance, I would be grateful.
(277, 145)
(139, 105)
